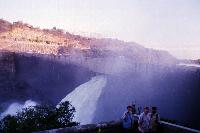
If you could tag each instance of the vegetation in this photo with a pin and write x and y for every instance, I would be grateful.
(39, 118)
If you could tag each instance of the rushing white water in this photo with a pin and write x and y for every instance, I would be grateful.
(189, 65)
(85, 97)
(16, 107)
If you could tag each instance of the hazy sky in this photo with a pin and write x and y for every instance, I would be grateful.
(173, 25)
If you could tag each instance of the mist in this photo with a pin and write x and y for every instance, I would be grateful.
(17, 107)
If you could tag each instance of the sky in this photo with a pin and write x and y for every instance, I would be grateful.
(172, 25)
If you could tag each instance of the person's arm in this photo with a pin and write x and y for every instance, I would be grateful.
(124, 116)
(158, 119)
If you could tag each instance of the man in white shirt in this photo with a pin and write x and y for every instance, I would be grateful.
(144, 121)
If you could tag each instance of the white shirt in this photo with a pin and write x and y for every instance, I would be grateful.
(144, 122)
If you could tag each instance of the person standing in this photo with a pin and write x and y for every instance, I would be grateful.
(144, 121)
(154, 120)
(128, 120)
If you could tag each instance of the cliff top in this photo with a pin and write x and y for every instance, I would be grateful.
(24, 38)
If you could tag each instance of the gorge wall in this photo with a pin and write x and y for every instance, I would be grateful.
(45, 65)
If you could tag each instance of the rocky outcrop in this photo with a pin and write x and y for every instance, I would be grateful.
(4, 25)
(24, 38)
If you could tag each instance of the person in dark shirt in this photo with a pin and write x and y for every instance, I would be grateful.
(154, 120)
(128, 120)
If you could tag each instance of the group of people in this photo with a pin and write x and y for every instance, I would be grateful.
(146, 122)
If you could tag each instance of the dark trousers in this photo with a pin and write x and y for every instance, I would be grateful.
(128, 130)
(131, 131)
(145, 132)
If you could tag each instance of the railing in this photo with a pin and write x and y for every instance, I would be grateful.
(116, 127)
(176, 128)
(107, 127)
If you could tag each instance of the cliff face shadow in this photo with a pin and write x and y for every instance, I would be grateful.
(44, 80)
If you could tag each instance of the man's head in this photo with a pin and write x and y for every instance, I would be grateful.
(146, 110)
(130, 108)
(154, 109)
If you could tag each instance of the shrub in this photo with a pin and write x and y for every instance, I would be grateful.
(47, 42)
(39, 118)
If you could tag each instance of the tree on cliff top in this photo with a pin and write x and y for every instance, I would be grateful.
(39, 118)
